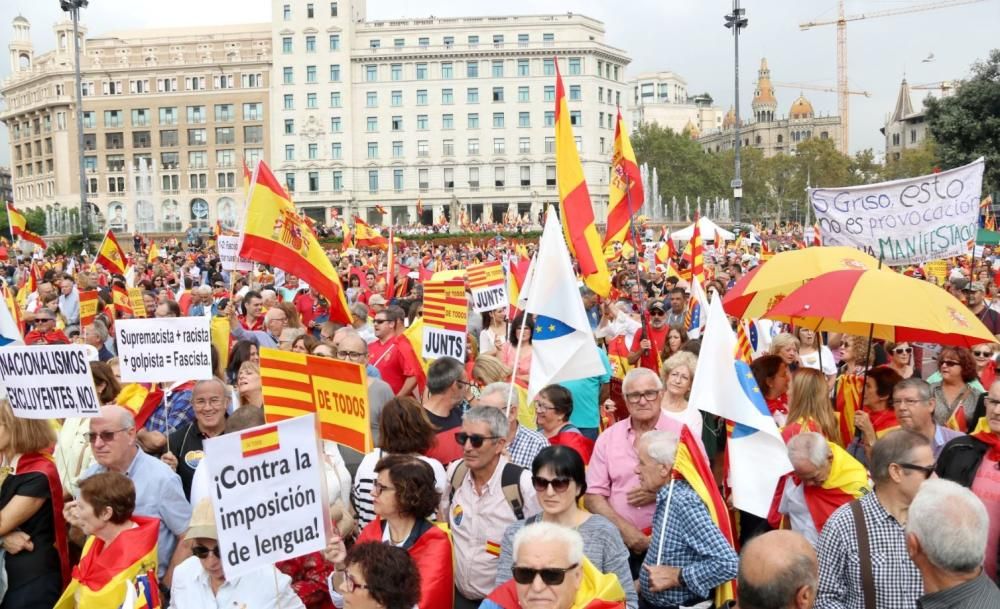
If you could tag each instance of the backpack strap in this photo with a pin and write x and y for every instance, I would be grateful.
(864, 555)
(510, 483)
(457, 477)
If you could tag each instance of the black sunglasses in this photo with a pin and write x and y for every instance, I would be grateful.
(203, 552)
(927, 470)
(558, 485)
(902, 350)
(550, 575)
(475, 439)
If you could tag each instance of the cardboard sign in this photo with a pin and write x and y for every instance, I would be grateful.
(938, 269)
(295, 384)
(269, 494)
(48, 382)
(446, 317)
(488, 285)
(138, 305)
(165, 349)
(229, 247)
(88, 307)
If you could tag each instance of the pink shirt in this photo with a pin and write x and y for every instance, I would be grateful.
(611, 472)
(986, 486)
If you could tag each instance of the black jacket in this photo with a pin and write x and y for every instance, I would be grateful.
(959, 460)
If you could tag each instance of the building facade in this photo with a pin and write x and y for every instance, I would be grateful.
(905, 128)
(662, 98)
(457, 113)
(6, 185)
(767, 131)
(167, 117)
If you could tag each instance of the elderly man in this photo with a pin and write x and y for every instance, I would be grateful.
(69, 301)
(946, 538)
(523, 444)
(158, 490)
(359, 321)
(864, 554)
(913, 402)
(689, 558)
(185, 447)
(778, 570)
(201, 301)
(447, 400)
(275, 321)
(377, 304)
(44, 331)
(96, 335)
(392, 353)
(613, 487)
(548, 572)
(485, 494)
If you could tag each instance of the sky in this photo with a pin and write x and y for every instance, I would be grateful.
(683, 36)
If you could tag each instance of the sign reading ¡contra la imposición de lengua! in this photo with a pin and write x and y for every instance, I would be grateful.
(47, 382)
(166, 349)
(268, 494)
(905, 221)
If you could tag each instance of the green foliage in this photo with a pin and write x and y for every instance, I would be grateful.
(912, 162)
(681, 166)
(35, 218)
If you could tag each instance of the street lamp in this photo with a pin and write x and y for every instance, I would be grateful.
(736, 21)
(73, 8)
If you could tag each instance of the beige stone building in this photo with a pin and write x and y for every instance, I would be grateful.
(662, 98)
(168, 117)
(906, 128)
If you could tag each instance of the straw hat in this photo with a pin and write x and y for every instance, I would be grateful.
(202, 522)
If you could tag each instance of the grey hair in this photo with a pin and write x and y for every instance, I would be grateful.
(125, 417)
(360, 309)
(101, 329)
(442, 374)
(212, 381)
(494, 417)
(661, 446)
(546, 533)
(268, 294)
(809, 446)
(923, 387)
(637, 373)
(681, 359)
(498, 388)
(952, 525)
(894, 447)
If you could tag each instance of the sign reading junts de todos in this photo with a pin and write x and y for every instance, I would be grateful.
(48, 382)
(165, 349)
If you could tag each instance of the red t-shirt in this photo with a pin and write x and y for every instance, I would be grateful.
(395, 361)
(304, 305)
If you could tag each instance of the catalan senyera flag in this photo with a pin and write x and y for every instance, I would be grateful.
(153, 253)
(111, 255)
(19, 227)
(624, 189)
(697, 254)
(744, 351)
(273, 233)
(576, 210)
(366, 236)
(259, 441)
(848, 401)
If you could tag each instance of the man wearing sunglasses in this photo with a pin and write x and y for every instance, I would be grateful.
(392, 353)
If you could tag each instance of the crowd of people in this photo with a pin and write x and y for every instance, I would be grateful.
(475, 496)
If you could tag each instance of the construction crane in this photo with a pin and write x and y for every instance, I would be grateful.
(825, 88)
(943, 87)
(843, 104)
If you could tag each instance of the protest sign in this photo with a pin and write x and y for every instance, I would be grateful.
(488, 285)
(295, 384)
(167, 349)
(138, 305)
(88, 307)
(937, 269)
(905, 221)
(48, 382)
(229, 247)
(269, 496)
(446, 313)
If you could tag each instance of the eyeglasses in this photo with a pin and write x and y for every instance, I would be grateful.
(473, 438)
(551, 576)
(637, 396)
(105, 436)
(948, 363)
(379, 321)
(462, 383)
(990, 402)
(542, 406)
(679, 376)
(983, 353)
(558, 485)
(657, 313)
(378, 488)
(351, 354)
(203, 552)
(902, 350)
(927, 470)
(351, 584)
(907, 401)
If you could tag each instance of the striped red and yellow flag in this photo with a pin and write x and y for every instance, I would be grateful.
(19, 227)
(697, 254)
(492, 547)
(259, 441)
(625, 188)
(366, 236)
(744, 351)
(111, 255)
(576, 210)
(848, 401)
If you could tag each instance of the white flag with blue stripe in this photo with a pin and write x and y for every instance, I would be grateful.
(10, 334)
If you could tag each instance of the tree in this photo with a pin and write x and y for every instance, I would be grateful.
(864, 169)
(912, 162)
(34, 217)
(966, 125)
(681, 165)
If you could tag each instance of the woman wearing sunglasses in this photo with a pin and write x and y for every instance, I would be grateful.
(559, 479)
(985, 364)
(553, 407)
(901, 360)
(955, 388)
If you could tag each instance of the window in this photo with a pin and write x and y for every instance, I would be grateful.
(523, 94)
(224, 113)
(396, 71)
(549, 93)
(448, 147)
(311, 101)
(290, 181)
(338, 181)
(472, 69)
(548, 67)
(310, 44)
(473, 145)
(473, 122)
(421, 71)
(423, 179)
(449, 41)
(253, 134)
(310, 74)
(334, 72)
(397, 123)
(396, 99)
(523, 67)
(447, 70)
(335, 99)
(289, 152)
(524, 119)
(335, 124)
(472, 95)
(474, 178)
(574, 93)
(447, 121)
(423, 42)
(550, 145)
(371, 99)
(252, 155)
(334, 42)
(550, 176)
(224, 158)
(140, 117)
(373, 181)
(524, 145)
(90, 119)
(286, 12)
(114, 87)
(113, 118)
(449, 178)
(498, 41)
(499, 177)
(336, 151)
(397, 149)
(575, 64)
(197, 158)
(498, 94)
(397, 180)
(473, 41)
(447, 97)
(575, 118)
(550, 118)
(497, 68)
(422, 123)
(522, 40)
(310, 12)
(499, 145)
(313, 151)
(286, 45)
(373, 150)
(287, 74)
(224, 135)
(116, 184)
(548, 37)
(421, 97)
(333, 9)
(372, 124)
(498, 120)
(579, 144)
(371, 73)
(374, 44)
(398, 42)
(140, 139)
(168, 138)
(288, 101)
(313, 181)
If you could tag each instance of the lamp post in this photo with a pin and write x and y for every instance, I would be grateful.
(73, 8)
(736, 21)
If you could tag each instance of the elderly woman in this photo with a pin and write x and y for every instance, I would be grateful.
(678, 375)
(809, 408)
(32, 529)
(901, 359)
(248, 385)
(955, 395)
(560, 481)
(855, 354)
(121, 547)
(774, 378)
(786, 346)
(374, 576)
(405, 498)
(553, 406)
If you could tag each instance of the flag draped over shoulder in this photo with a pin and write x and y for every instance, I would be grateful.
(597, 591)
(19, 227)
(111, 255)
(848, 480)
(576, 210)
(625, 187)
(275, 234)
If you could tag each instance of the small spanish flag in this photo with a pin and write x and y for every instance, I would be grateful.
(259, 441)
(492, 548)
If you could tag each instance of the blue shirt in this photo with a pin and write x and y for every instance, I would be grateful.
(587, 396)
(158, 494)
(261, 338)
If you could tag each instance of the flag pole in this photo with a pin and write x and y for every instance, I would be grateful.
(10, 225)
(638, 279)
(517, 350)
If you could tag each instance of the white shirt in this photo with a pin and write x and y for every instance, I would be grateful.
(793, 503)
(690, 416)
(264, 588)
(812, 360)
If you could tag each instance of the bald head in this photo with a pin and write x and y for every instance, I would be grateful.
(352, 341)
(115, 414)
(778, 570)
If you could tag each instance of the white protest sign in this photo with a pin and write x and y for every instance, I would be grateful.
(269, 495)
(229, 247)
(906, 221)
(166, 349)
(446, 312)
(48, 382)
(488, 285)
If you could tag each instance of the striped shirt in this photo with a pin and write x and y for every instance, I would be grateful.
(364, 480)
(978, 593)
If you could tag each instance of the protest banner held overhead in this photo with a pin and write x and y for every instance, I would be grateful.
(48, 382)
(488, 285)
(446, 314)
(164, 349)
(268, 494)
(905, 221)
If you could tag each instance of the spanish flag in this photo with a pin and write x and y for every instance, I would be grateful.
(275, 234)
(366, 236)
(666, 252)
(259, 441)
(380, 210)
(625, 187)
(848, 480)
(420, 208)
(122, 303)
(576, 210)
(19, 227)
(139, 399)
(153, 254)
(111, 255)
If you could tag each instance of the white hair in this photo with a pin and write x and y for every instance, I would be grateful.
(268, 294)
(637, 373)
(952, 525)
(809, 446)
(546, 533)
(661, 446)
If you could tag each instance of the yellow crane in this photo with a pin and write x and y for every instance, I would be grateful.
(825, 88)
(843, 104)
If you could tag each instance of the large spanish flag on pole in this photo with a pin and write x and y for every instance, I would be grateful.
(625, 189)
(273, 233)
(575, 208)
(19, 227)
(111, 255)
